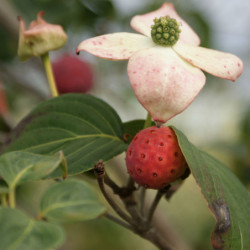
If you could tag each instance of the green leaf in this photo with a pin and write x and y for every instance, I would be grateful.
(19, 232)
(70, 200)
(227, 198)
(18, 167)
(84, 127)
(131, 128)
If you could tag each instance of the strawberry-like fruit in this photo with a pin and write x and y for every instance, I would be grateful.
(154, 158)
(72, 75)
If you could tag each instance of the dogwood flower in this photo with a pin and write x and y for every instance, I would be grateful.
(40, 38)
(165, 63)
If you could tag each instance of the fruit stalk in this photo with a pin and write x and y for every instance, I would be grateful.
(49, 73)
(148, 121)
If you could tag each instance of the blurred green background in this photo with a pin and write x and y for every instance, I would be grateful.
(218, 121)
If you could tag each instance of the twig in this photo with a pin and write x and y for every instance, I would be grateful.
(156, 201)
(116, 189)
(126, 195)
(99, 173)
(136, 223)
(153, 236)
(150, 234)
(118, 221)
(131, 184)
(142, 196)
(132, 207)
(121, 191)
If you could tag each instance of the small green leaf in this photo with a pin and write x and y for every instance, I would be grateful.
(86, 128)
(131, 128)
(70, 200)
(227, 198)
(18, 167)
(19, 232)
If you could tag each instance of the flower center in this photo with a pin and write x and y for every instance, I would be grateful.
(165, 31)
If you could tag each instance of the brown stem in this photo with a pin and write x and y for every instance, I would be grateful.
(131, 184)
(156, 201)
(118, 221)
(99, 173)
(121, 191)
(126, 195)
(116, 189)
(142, 196)
(153, 236)
(132, 207)
(136, 223)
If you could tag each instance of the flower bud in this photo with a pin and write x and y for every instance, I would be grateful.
(40, 38)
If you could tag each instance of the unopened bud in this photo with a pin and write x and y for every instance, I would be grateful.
(40, 38)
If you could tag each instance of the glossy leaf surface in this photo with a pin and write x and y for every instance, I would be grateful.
(84, 127)
(19, 232)
(70, 201)
(227, 198)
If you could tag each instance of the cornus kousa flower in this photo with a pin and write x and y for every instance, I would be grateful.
(40, 38)
(165, 61)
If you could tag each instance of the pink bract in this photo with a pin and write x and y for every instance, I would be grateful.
(165, 79)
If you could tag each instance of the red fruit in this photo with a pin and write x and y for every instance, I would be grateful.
(154, 158)
(72, 75)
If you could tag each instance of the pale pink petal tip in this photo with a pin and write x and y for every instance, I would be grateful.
(142, 23)
(163, 83)
(217, 63)
(116, 46)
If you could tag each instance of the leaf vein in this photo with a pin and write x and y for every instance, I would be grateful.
(65, 140)
(26, 231)
(65, 204)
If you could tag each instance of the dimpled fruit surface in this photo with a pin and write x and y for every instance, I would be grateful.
(154, 158)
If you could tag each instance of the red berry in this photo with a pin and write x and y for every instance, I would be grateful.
(72, 75)
(154, 158)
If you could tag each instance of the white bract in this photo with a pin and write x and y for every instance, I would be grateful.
(165, 79)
